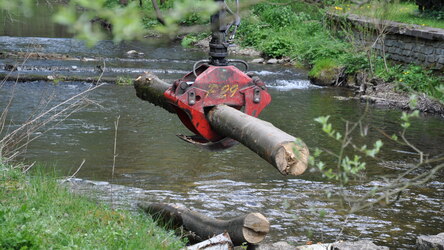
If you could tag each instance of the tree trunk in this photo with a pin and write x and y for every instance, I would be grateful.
(158, 13)
(285, 152)
(251, 228)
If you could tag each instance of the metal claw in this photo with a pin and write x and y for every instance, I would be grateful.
(201, 142)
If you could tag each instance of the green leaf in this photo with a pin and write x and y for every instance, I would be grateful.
(66, 16)
(322, 119)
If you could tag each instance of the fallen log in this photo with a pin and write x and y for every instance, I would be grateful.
(286, 153)
(56, 78)
(251, 228)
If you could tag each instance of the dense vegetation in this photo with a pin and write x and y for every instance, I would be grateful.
(302, 32)
(36, 212)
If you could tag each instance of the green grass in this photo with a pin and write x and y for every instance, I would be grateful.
(398, 12)
(326, 65)
(37, 213)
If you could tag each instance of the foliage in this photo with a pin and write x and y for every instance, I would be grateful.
(125, 21)
(187, 12)
(414, 78)
(348, 165)
(24, 6)
(276, 47)
(37, 213)
(279, 17)
(192, 38)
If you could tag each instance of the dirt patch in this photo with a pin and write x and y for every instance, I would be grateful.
(379, 92)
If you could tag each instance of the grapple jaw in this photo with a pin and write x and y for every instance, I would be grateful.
(201, 142)
(208, 86)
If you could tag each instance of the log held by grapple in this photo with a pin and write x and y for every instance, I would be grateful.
(289, 155)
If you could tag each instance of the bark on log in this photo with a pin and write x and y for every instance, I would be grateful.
(150, 88)
(251, 228)
(285, 152)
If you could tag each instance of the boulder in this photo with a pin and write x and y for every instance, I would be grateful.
(258, 60)
(281, 245)
(272, 61)
(134, 53)
(360, 244)
(329, 76)
(430, 242)
(345, 245)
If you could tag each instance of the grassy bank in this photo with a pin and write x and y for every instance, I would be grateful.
(37, 213)
(303, 33)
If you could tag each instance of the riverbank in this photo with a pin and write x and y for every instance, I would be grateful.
(36, 212)
(302, 35)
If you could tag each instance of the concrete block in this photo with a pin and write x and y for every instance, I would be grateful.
(429, 50)
(408, 46)
(431, 59)
(407, 52)
(421, 57)
(389, 43)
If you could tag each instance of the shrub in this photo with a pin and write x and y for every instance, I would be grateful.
(277, 16)
(276, 47)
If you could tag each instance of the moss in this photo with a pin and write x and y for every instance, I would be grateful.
(323, 66)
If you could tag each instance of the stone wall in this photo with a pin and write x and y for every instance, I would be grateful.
(400, 42)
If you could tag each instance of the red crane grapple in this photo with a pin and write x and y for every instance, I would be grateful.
(194, 95)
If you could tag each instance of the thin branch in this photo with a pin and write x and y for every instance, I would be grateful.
(78, 169)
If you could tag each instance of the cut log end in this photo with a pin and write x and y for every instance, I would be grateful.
(255, 228)
(257, 222)
(292, 158)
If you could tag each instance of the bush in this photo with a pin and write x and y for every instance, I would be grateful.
(278, 16)
(253, 33)
(276, 47)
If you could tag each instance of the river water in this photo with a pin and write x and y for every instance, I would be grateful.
(158, 167)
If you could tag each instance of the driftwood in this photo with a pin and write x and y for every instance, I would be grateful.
(251, 228)
(218, 242)
(286, 153)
